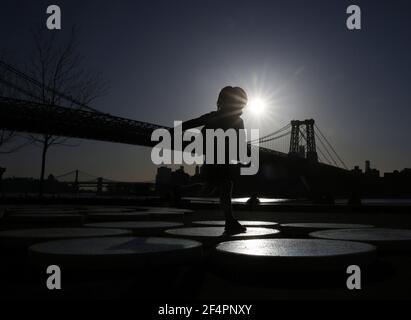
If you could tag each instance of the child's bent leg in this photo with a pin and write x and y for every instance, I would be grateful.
(226, 189)
(232, 226)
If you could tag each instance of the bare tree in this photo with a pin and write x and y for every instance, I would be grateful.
(11, 141)
(58, 69)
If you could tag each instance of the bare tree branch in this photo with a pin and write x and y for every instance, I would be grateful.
(58, 70)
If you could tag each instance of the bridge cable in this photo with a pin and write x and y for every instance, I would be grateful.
(40, 85)
(19, 89)
(339, 158)
(319, 149)
(88, 174)
(274, 138)
(271, 134)
(326, 149)
(95, 177)
(65, 174)
(269, 143)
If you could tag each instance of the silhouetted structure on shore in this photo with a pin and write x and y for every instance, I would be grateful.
(365, 184)
(310, 151)
(52, 186)
(393, 184)
(26, 186)
(169, 181)
(368, 183)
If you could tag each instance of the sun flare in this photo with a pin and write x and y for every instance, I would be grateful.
(257, 106)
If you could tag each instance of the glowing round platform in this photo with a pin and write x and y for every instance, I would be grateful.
(303, 229)
(293, 255)
(44, 220)
(217, 233)
(266, 224)
(21, 239)
(87, 210)
(166, 209)
(147, 228)
(41, 210)
(119, 216)
(387, 240)
(116, 253)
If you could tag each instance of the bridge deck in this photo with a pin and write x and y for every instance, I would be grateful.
(25, 116)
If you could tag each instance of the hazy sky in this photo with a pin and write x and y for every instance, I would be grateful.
(167, 60)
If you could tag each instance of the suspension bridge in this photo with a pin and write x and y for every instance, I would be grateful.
(78, 179)
(308, 152)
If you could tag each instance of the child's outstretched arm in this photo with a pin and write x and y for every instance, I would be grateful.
(195, 123)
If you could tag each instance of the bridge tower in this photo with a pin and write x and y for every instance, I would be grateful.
(296, 134)
(295, 137)
(311, 147)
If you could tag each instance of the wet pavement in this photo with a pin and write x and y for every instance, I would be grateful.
(267, 265)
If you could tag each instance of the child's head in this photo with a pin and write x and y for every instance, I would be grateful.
(233, 99)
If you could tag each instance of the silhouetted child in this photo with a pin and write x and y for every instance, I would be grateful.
(230, 105)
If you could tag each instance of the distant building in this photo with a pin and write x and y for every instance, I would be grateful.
(198, 176)
(163, 176)
(357, 171)
(180, 177)
(163, 180)
(398, 183)
(391, 175)
(367, 166)
(369, 172)
(167, 180)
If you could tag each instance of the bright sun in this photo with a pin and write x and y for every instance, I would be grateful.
(257, 106)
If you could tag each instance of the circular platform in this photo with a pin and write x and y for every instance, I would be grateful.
(266, 224)
(41, 210)
(167, 209)
(12, 239)
(387, 240)
(120, 216)
(289, 255)
(44, 220)
(116, 253)
(138, 227)
(165, 215)
(303, 229)
(217, 233)
(87, 210)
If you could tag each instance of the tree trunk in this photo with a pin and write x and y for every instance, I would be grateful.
(43, 166)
